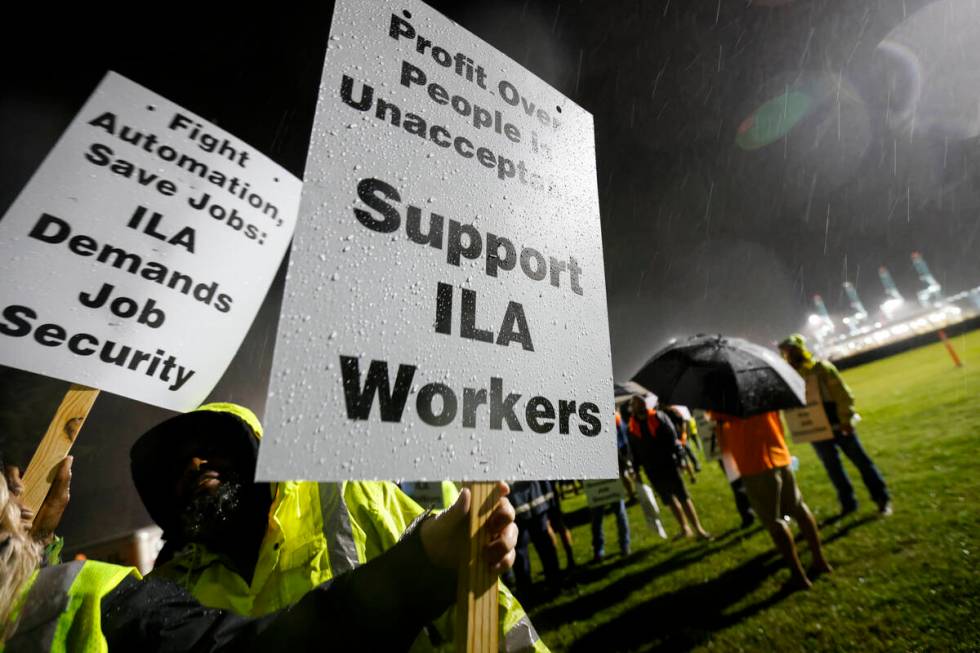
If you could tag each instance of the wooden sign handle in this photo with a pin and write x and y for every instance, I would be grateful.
(476, 606)
(56, 443)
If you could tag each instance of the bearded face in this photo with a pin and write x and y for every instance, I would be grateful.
(215, 510)
(215, 500)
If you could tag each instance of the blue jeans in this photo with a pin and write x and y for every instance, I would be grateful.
(827, 451)
(534, 529)
(622, 526)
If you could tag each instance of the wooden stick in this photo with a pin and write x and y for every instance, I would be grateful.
(476, 606)
(56, 443)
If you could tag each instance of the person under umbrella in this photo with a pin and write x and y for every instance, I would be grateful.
(759, 449)
(655, 448)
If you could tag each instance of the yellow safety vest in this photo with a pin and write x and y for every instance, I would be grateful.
(62, 608)
(318, 531)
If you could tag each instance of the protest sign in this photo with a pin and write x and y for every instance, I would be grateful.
(709, 436)
(135, 259)
(427, 494)
(810, 423)
(651, 511)
(445, 312)
(600, 493)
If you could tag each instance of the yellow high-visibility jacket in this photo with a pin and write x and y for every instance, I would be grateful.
(317, 531)
(834, 393)
(61, 608)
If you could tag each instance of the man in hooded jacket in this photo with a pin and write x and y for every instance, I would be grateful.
(254, 548)
(838, 403)
(97, 607)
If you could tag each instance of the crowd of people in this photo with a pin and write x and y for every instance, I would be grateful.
(248, 566)
(660, 441)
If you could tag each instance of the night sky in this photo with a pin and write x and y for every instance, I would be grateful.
(875, 153)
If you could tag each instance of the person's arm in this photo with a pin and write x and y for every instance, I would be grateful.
(381, 606)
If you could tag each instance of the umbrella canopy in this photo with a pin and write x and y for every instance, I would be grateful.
(623, 392)
(729, 375)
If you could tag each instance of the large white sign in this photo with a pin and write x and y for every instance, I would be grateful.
(708, 435)
(135, 259)
(445, 315)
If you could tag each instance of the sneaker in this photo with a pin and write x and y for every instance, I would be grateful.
(885, 509)
(625, 551)
(847, 510)
(597, 558)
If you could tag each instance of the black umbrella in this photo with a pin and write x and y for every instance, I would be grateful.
(729, 375)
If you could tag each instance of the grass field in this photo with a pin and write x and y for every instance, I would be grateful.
(908, 582)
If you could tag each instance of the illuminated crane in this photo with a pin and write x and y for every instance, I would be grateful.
(893, 298)
(932, 294)
(820, 322)
(860, 314)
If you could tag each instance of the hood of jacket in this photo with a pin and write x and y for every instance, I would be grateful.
(159, 456)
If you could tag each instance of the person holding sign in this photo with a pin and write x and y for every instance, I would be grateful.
(95, 606)
(759, 449)
(253, 548)
(838, 402)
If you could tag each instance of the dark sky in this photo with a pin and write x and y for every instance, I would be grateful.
(700, 235)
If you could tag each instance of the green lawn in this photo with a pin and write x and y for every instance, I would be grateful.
(909, 582)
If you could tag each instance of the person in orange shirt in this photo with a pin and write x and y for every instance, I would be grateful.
(759, 449)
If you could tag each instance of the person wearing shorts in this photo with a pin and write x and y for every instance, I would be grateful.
(759, 448)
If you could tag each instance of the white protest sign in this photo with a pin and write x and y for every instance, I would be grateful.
(427, 494)
(137, 256)
(810, 423)
(445, 314)
(709, 436)
(599, 493)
